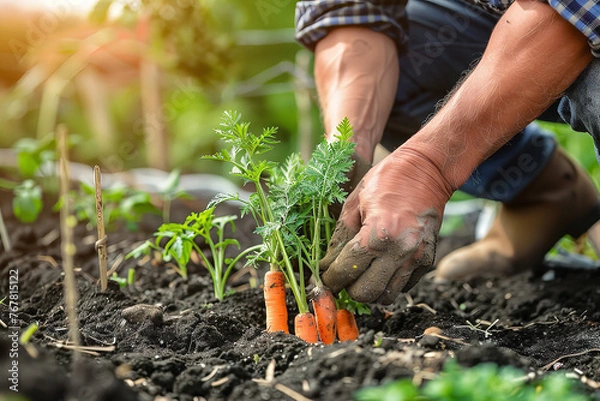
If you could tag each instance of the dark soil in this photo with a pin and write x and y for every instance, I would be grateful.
(198, 348)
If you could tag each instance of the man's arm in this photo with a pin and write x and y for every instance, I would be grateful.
(386, 236)
(532, 57)
(356, 72)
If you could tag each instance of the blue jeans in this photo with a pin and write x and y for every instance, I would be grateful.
(580, 106)
(446, 38)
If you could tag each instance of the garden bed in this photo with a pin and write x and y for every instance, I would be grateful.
(198, 348)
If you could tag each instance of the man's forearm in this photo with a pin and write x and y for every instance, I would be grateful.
(356, 72)
(532, 57)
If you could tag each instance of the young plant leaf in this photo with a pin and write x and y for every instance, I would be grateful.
(27, 203)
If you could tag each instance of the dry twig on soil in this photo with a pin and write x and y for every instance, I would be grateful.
(475, 327)
(91, 350)
(549, 365)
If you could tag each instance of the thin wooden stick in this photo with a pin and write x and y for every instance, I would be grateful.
(67, 222)
(4, 234)
(294, 395)
(549, 365)
(102, 238)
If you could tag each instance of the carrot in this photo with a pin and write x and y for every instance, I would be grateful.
(347, 329)
(306, 327)
(325, 313)
(274, 290)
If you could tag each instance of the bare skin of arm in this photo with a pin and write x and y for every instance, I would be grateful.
(386, 236)
(356, 72)
(533, 56)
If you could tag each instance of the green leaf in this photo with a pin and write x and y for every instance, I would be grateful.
(344, 301)
(119, 280)
(131, 276)
(229, 242)
(222, 221)
(47, 156)
(344, 130)
(31, 153)
(134, 206)
(482, 382)
(176, 248)
(171, 183)
(27, 164)
(144, 249)
(402, 390)
(221, 198)
(90, 190)
(27, 203)
(28, 333)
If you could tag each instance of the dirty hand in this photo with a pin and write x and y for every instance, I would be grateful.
(386, 236)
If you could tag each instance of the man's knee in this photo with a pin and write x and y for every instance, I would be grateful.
(581, 102)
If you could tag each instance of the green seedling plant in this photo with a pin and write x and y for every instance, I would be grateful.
(177, 241)
(28, 333)
(25, 339)
(244, 153)
(344, 301)
(27, 201)
(121, 203)
(32, 154)
(482, 382)
(309, 226)
(291, 206)
(122, 281)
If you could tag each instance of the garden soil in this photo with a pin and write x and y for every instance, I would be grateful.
(180, 343)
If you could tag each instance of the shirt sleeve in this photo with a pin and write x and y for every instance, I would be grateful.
(585, 16)
(315, 18)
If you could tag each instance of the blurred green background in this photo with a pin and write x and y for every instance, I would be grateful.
(157, 74)
(147, 86)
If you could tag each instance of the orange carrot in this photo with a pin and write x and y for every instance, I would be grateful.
(325, 313)
(347, 329)
(306, 327)
(277, 314)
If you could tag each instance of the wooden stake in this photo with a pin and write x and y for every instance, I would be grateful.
(67, 222)
(4, 234)
(102, 238)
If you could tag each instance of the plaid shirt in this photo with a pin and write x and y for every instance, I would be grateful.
(315, 17)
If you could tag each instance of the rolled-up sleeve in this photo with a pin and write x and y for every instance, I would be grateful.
(585, 16)
(315, 18)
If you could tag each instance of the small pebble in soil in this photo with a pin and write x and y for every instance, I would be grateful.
(369, 337)
(433, 330)
(429, 341)
(388, 343)
(141, 312)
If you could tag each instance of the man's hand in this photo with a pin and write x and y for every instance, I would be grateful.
(386, 236)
